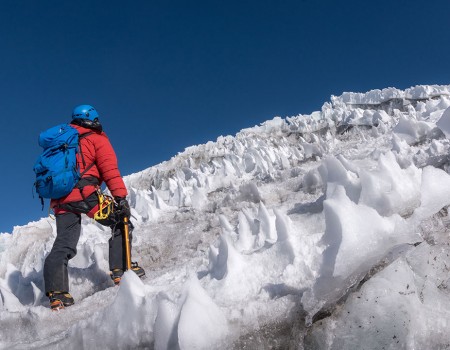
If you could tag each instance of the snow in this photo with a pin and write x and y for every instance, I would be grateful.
(321, 231)
(444, 122)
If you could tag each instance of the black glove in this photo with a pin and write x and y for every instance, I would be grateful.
(122, 207)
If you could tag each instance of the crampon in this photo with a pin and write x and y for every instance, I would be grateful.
(116, 274)
(60, 300)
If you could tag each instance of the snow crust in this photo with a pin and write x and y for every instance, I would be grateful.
(321, 231)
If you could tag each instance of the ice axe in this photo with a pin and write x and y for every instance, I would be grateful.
(126, 238)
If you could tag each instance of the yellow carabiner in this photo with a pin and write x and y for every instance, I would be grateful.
(104, 206)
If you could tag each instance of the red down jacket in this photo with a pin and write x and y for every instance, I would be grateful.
(96, 150)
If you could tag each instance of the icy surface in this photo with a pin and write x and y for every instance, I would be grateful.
(321, 231)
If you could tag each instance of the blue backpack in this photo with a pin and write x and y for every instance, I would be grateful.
(56, 168)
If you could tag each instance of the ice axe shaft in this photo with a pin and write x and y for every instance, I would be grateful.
(126, 238)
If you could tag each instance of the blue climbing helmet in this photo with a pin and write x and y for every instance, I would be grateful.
(84, 112)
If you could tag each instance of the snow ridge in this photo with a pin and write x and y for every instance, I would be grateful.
(263, 152)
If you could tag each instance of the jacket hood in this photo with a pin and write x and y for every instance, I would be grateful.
(88, 124)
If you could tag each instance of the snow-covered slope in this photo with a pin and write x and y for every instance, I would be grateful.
(321, 231)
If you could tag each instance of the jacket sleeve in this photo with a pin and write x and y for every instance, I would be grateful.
(106, 162)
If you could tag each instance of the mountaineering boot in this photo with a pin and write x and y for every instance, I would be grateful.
(116, 274)
(137, 269)
(60, 300)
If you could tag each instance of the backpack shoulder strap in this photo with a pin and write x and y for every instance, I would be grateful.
(86, 134)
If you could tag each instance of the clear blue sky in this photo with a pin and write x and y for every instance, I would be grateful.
(165, 75)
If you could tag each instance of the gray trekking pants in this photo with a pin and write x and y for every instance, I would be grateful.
(68, 229)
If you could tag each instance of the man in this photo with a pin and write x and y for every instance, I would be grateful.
(97, 163)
